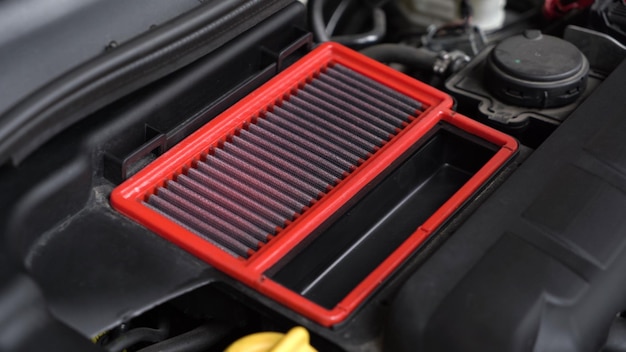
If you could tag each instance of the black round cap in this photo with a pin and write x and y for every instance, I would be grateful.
(536, 70)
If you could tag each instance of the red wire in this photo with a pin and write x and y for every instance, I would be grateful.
(557, 8)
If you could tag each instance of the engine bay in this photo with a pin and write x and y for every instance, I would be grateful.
(400, 175)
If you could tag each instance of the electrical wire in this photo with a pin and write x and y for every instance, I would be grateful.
(556, 8)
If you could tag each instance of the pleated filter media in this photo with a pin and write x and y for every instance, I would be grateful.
(249, 191)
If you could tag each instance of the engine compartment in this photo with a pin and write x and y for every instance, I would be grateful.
(529, 259)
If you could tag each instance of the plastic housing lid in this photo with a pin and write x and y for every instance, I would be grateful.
(253, 267)
(536, 70)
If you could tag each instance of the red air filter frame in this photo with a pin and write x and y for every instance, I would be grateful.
(134, 195)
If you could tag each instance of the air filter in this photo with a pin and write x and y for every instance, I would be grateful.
(318, 185)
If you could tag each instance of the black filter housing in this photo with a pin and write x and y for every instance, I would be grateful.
(56, 202)
(536, 70)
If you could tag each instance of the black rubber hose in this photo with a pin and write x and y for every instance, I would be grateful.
(136, 63)
(316, 20)
(196, 340)
(368, 38)
(135, 336)
(616, 340)
(340, 10)
(419, 58)
(318, 26)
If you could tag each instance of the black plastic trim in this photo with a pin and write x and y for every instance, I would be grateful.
(124, 69)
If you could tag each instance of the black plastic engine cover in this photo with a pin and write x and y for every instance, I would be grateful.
(539, 267)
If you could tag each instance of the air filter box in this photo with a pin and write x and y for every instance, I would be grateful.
(316, 187)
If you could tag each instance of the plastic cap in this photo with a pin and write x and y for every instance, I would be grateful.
(296, 340)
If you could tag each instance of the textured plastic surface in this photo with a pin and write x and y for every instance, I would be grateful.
(27, 323)
(536, 70)
(363, 235)
(166, 48)
(540, 265)
(609, 16)
(129, 197)
(60, 192)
